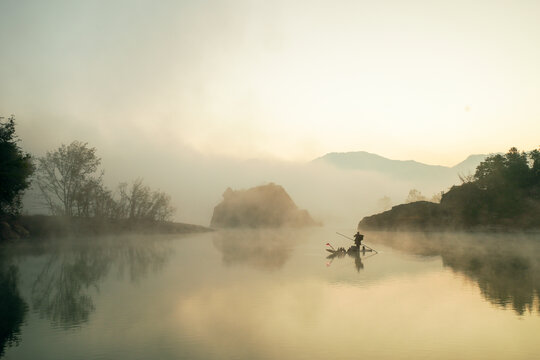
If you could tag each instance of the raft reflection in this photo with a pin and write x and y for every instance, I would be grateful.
(356, 255)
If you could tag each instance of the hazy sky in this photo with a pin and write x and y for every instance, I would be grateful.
(429, 80)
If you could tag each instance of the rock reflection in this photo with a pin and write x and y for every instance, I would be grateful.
(13, 309)
(506, 268)
(267, 249)
(63, 290)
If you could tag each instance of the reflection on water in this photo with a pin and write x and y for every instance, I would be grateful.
(268, 294)
(356, 255)
(12, 307)
(63, 289)
(505, 267)
(266, 250)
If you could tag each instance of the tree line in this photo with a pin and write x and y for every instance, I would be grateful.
(71, 183)
(505, 189)
(16, 168)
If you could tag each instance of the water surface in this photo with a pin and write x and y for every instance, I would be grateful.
(272, 294)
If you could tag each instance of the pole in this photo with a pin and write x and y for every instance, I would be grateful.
(345, 236)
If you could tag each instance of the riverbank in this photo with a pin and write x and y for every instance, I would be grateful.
(428, 217)
(43, 226)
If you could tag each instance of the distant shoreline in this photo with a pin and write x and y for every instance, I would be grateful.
(46, 226)
(424, 216)
(431, 230)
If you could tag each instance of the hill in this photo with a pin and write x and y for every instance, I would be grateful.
(504, 194)
(408, 170)
(261, 206)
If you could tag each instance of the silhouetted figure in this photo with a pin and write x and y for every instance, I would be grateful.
(358, 239)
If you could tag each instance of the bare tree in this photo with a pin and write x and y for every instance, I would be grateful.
(64, 174)
(138, 201)
(384, 203)
(94, 200)
(415, 195)
(436, 198)
(466, 178)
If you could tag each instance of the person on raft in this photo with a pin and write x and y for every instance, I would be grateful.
(358, 239)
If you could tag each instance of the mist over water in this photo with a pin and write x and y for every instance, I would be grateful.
(506, 267)
(196, 184)
(184, 104)
(260, 294)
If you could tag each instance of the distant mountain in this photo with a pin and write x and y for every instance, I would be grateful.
(408, 170)
(469, 164)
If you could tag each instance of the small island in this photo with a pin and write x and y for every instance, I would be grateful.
(503, 194)
(263, 206)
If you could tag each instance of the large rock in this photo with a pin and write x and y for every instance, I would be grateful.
(261, 206)
(419, 215)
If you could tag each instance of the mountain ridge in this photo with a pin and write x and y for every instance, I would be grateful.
(404, 169)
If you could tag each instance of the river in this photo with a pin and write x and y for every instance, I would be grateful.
(272, 294)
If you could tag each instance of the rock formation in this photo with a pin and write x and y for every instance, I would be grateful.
(261, 206)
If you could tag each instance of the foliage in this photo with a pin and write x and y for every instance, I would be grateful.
(139, 202)
(15, 169)
(504, 188)
(72, 185)
(414, 195)
(512, 170)
(503, 193)
(13, 309)
(436, 198)
(65, 175)
(384, 203)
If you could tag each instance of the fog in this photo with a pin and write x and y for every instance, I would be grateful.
(196, 183)
(182, 93)
(190, 98)
(505, 266)
(245, 293)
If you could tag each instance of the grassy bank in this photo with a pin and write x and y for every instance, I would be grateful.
(43, 226)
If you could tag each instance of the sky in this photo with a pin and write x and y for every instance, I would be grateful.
(432, 81)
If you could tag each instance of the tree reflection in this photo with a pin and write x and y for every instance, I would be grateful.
(267, 249)
(506, 268)
(63, 291)
(13, 309)
(504, 279)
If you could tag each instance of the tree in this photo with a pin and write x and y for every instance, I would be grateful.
(466, 178)
(534, 157)
(15, 169)
(72, 185)
(139, 202)
(384, 203)
(517, 168)
(436, 198)
(414, 195)
(490, 173)
(65, 174)
(94, 200)
(511, 171)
